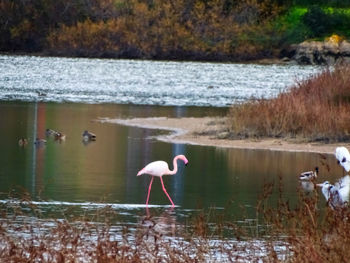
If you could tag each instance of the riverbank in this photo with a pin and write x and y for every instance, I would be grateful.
(211, 131)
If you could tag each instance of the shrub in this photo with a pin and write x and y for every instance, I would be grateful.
(317, 20)
(314, 109)
(321, 21)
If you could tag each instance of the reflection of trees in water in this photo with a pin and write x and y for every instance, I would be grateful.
(38, 160)
(177, 185)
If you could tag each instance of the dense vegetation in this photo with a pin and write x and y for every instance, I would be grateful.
(316, 109)
(177, 29)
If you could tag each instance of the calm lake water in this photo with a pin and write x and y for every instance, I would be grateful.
(104, 171)
(38, 93)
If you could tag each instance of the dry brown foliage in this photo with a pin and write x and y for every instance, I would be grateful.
(316, 109)
(156, 29)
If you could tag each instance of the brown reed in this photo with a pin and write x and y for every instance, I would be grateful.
(316, 109)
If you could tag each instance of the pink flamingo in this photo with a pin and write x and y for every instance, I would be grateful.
(160, 168)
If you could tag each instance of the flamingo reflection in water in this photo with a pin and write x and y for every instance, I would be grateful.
(159, 224)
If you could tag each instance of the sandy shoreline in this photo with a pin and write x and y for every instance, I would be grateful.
(201, 131)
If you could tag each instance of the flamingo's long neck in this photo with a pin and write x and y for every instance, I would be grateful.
(174, 171)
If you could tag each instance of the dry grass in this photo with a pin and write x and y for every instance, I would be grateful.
(313, 233)
(316, 109)
(28, 238)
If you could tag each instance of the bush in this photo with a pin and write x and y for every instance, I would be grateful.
(314, 109)
(291, 27)
(317, 20)
(322, 23)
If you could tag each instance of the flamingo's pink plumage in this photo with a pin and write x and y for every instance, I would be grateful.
(160, 168)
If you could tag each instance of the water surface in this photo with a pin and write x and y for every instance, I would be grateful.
(143, 82)
(105, 170)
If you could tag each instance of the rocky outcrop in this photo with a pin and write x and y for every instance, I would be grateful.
(321, 53)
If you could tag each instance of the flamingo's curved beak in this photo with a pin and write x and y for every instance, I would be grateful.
(186, 163)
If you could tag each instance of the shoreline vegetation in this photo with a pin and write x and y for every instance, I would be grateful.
(211, 30)
(313, 110)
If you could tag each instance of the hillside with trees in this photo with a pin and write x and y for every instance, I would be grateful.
(222, 30)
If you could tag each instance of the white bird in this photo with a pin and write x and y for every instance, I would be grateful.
(309, 175)
(337, 195)
(343, 156)
(160, 168)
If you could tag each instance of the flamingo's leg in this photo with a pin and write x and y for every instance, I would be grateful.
(161, 180)
(149, 190)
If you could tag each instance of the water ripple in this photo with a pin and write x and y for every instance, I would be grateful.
(50, 79)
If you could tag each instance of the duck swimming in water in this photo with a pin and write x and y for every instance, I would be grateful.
(40, 142)
(22, 142)
(309, 175)
(89, 136)
(59, 136)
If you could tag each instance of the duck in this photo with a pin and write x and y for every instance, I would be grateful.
(337, 195)
(50, 132)
(309, 175)
(59, 136)
(343, 157)
(39, 142)
(41, 94)
(22, 142)
(89, 136)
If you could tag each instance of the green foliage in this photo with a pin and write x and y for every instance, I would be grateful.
(317, 20)
(323, 3)
(291, 27)
(322, 22)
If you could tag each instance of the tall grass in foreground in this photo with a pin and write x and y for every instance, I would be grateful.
(302, 233)
(316, 109)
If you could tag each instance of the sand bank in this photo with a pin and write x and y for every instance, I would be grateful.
(208, 130)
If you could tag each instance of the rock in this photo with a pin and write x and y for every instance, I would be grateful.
(285, 59)
(321, 52)
(344, 48)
